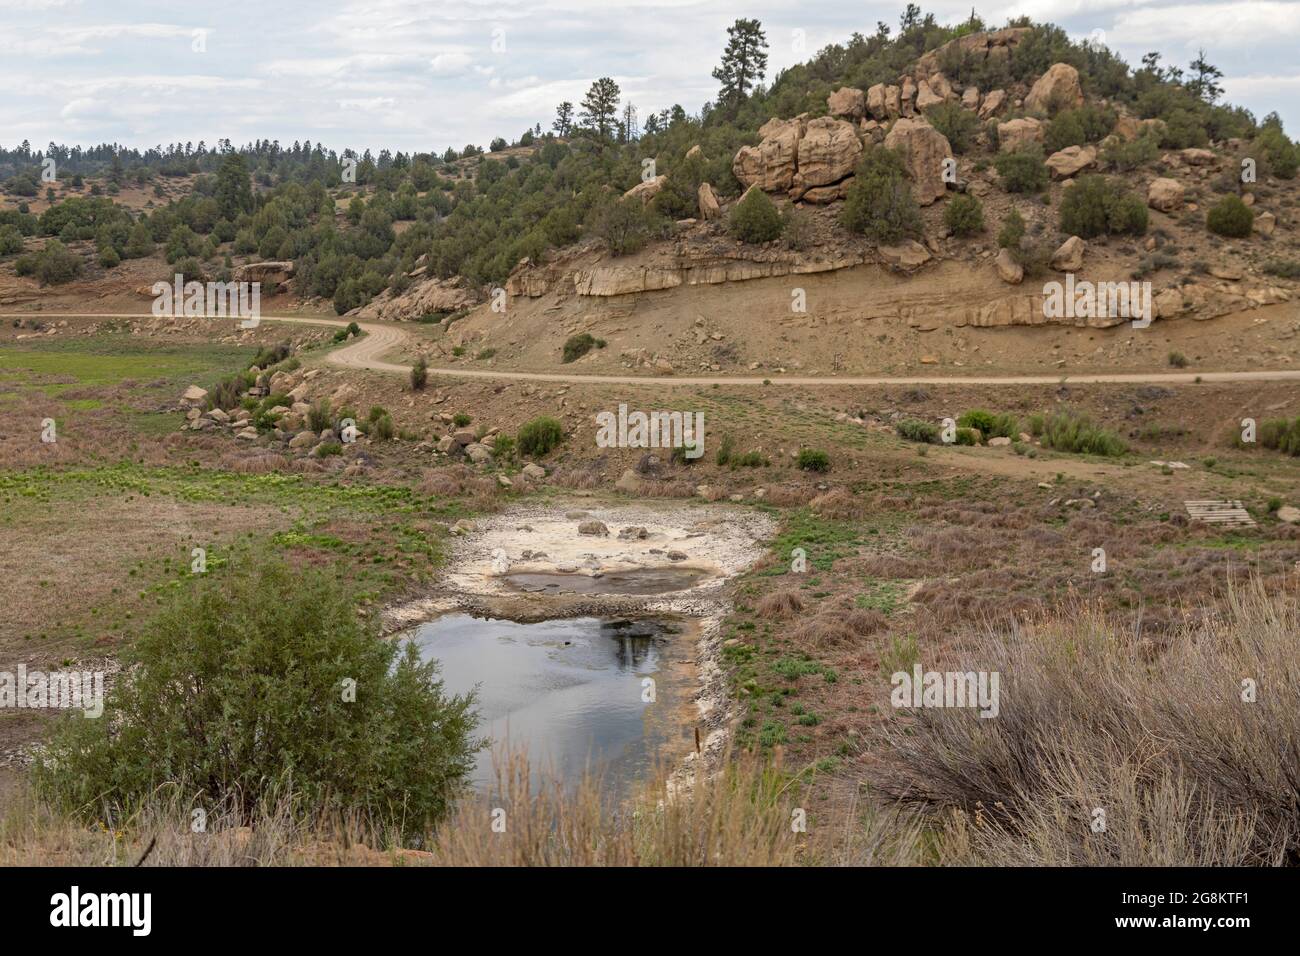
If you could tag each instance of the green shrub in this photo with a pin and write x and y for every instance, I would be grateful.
(959, 125)
(1230, 217)
(1283, 268)
(755, 218)
(1178, 360)
(236, 694)
(461, 419)
(1279, 434)
(964, 215)
(539, 436)
(420, 374)
(1280, 155)
(52, 265)
(576, 346)
(319, 416)
(1022, 170)
(625, 225)
(913, 429)
(1065, 431)
(879, 204)
(1097, 206)
(1013, 230)
(11, 240)
(1129, 155)
(814, 459)
(990, 425)
(1075, 127)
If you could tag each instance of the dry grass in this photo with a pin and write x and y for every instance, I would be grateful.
(1091, 718)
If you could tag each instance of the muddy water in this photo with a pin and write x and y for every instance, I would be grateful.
(570, 691)
(631, 581)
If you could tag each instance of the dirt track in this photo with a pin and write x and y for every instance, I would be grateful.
(382, 338)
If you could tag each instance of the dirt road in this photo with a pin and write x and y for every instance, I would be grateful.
(382, 338)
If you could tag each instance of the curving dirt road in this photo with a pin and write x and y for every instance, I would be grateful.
(381, 338)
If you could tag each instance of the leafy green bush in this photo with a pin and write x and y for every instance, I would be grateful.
(420, 374)
(1012, 231)
(989, 425)
(755, 218)
(52, 265)
(11, 240)
(1022, 170)
(625, 225)
(1097, 206)
(1230, 217)
(1075, 127)
(814, 459)
(957, 124)
(913, 429)
(1283, 268)
(319, 416)
(879, 204)
(1281, 156)
(539, 436)
(1129, 155)
(1065, 431)
(964, 215)
(238, 694)
(461, 419)
(576, 346)
(1279, 434)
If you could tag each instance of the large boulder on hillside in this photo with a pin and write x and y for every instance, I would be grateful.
(926, 97)
(876, 102)
(1265, 224)
(264, 272)
(771, 164)
(993, 102)
(970, 98)
(828, 151)
(1071, 160)
(909, 95)
(648, 189)
(710, 208)
(1019, 133)
(1069, 257)
(923, 149)
(1057, 89)
(847, 102)
(1009, 270)
(1166, 195)
(972, 49)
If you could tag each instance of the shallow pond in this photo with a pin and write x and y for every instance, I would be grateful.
(571, 691)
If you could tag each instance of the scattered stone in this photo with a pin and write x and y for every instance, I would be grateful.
(1165, 195)
(1289, 514)
(593, 527)
(1069, 257)
(1008, 269)
(533, 472)
(1057, 89)
(1001, 441)
(633, 534)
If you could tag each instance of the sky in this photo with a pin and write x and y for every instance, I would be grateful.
(422, 75)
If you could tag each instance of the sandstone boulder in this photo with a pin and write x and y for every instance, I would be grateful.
(647, 190)
(1166, 195)
(1057, 89)
(1197, 157)
(264, 272)
(970, 98)
(909, 95)
(1008, 269)
(828, 151)
(1018, 133)
(771, 164)
(905, 255)
(847, 102)
(1265, 223)
(710, 208)
(992, 103)
(926, 97)
(923, 149)
(876, 102)
(893, 102)
(1069, 257)
(1071, 160)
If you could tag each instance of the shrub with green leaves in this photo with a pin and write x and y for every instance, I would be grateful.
(814, 459)
(755, 218)
(11, 240)
(53, 264)
(913, 429)
(1022, 170)
(957, 124)
(576, 346)
(964, 215)
(539, 436)
(879, 204)
(625, 225)
(420, 374)
(1066, 431)
(1126, 155)
(990, 425)
(1280, 155)
(1230, 217)
(1075, 127)
(1097, 206)
(238, 694)
(1012, 231)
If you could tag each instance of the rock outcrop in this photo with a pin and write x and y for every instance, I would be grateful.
(847, 102)
(923, 149)
(647, 190)
(710, 208)
(1057, 89)
(1165, 195)
(828, 152)
(771, 164)
(1071, 160)
(264, 272)
(1018, 133)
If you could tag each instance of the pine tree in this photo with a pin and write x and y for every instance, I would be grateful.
(600, 107)
(743, 62)
(563, 124)
(1203, 83)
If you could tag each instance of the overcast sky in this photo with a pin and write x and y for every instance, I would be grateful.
(428, 74)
